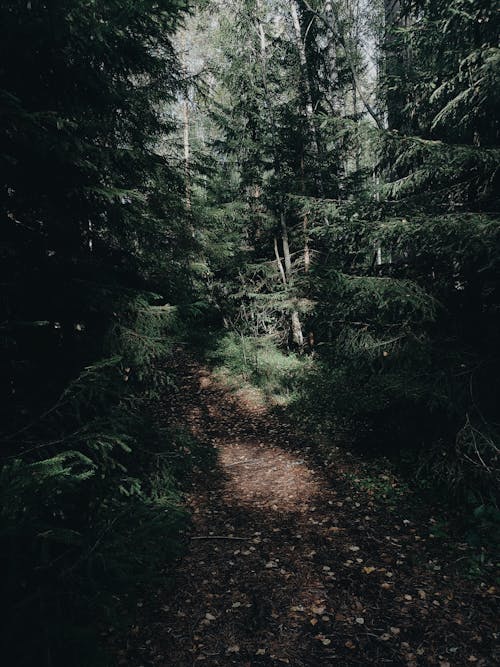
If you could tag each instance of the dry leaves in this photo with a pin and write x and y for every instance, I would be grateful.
(269, 595)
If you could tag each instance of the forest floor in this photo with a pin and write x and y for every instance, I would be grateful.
(289, 562)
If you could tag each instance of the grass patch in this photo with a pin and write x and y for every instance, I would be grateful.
(259, 363)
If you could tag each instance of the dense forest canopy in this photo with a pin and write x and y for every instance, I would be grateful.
(353, 212)
(305, 191)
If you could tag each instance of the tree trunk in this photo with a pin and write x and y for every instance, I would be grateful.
(279, 262)
(309, 109)
(296, 327)
(187, 151)
(393, 63)
(185, 125)
(297, 335)
(307, 250)
(305, 221)
(331, 58)
(286, 248)
(331, 23)
(286, 272)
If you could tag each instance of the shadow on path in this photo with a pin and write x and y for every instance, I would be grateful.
(287, 566)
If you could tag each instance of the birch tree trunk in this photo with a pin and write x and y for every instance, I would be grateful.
(279, 262)
(296, 327)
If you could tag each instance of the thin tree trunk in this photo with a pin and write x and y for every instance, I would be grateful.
(307, 250)
(286, 248)
(279, 262)
(185, 124)
(308, 91)
(297, 335)
(331, 57)
(187, 151)
(286, 271)
(356, 127)
(296, 327)
(331, 23)
(307, 265)
(305, 221)
(392, 65)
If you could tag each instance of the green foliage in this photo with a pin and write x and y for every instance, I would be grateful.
(94, 248)
(399, 290)
(372, 253)
(260, 362)
(90, 512)
(406, 299)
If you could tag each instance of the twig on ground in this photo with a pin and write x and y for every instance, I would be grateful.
(219, 537)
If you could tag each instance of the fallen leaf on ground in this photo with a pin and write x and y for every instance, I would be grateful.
(317, 610)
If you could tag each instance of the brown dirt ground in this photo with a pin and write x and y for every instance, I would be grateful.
(289, 562)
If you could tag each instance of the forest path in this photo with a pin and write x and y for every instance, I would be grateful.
(287, 565)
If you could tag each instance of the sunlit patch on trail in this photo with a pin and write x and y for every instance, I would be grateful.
(205, 381)
(267, 477)
(286, 565)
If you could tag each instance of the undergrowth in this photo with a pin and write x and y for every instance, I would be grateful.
(91, 496)
(260, 363)
(338, 417)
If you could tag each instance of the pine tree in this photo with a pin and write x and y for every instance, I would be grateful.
(94, 249)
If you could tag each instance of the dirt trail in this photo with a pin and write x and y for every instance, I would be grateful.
(288, 566)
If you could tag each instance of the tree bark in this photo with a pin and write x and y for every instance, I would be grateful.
(286, 271)
(187, 152)
(279, 262)
(286, 248)
(309, 109)
(394, 100)
(296, 327)
(297, 335)
(331, 23)
(185, 125)
(331, 57)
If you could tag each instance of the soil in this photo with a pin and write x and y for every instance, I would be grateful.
(293, 562)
